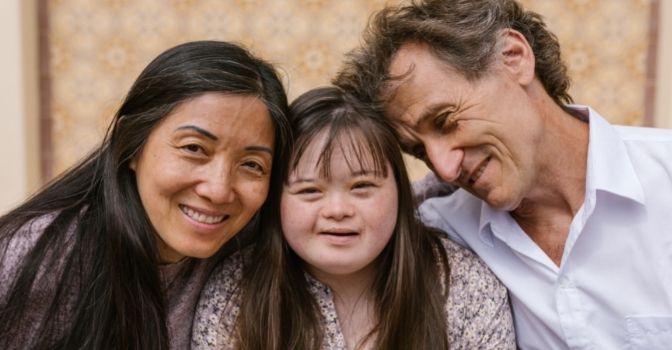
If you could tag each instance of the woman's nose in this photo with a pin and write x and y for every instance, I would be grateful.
(217, 185)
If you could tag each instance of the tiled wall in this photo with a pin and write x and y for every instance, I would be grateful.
(97, 47)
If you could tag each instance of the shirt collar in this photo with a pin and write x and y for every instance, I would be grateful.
(609, 169)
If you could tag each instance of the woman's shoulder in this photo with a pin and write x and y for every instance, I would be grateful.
(19, 244)
(224, 281)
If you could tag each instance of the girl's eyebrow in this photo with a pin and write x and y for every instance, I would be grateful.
(199, 130)
(363, 172)
(301, 180)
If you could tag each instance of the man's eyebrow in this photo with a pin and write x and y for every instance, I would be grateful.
(199, 130)
(429, 113)
(403, 132)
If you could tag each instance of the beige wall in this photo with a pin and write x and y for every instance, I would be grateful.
(663, 108)
(19, 174)
(306, 38)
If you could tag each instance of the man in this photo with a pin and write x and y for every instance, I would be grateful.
(573, 214)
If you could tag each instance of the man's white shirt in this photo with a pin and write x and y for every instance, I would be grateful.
(613, 288)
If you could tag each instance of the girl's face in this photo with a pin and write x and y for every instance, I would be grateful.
(204, 171)
(338, 225)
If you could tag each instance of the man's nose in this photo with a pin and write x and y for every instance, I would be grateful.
(446, 161)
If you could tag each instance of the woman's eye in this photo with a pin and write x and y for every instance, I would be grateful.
(193, 148)
(255, 167)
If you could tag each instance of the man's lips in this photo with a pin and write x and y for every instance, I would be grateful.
(478, 171)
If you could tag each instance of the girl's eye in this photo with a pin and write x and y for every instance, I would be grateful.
(363, 186)
(308, 191)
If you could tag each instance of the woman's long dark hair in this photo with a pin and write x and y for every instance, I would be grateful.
(108, 293)
(278, 311)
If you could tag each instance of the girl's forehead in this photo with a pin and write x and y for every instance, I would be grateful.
(347, 151)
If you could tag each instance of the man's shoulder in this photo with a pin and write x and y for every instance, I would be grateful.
(649, 149)
(460, 204)
(643, 134)
(458, 215)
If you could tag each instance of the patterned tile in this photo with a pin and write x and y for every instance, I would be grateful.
(98, 47)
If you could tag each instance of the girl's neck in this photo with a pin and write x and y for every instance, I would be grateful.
(354, 300)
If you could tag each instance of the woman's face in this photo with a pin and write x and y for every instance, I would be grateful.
(204, 172)
(338, 225)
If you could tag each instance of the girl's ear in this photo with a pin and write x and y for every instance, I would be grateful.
(516, 56)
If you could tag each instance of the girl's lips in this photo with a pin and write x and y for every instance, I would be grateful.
(343, 233)
(339, 238)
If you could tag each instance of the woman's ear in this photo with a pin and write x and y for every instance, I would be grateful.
(516, 55)
(133, 162)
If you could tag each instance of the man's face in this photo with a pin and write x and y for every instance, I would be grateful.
(481, 135)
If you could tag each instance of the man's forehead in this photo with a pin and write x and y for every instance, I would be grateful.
(406, 104)
(403, 93)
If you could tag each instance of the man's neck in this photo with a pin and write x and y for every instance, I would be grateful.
(558, 193)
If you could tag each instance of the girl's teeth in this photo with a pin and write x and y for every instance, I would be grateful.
(202, 218)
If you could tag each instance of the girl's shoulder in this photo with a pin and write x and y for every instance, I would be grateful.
(468, 272)
(477, 305)
(219, 304)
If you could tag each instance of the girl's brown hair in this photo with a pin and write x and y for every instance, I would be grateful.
(278, 311)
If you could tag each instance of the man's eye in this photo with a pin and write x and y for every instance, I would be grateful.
(440, 121)
(445, 123)
(418, 151)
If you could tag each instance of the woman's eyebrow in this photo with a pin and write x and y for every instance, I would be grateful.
(255, 148)
(199, 130)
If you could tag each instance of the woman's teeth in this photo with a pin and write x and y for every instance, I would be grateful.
(200, 217)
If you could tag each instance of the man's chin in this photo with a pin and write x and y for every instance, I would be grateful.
(500, 201)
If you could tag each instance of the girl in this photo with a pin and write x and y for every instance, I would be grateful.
(349, 266)
(114, 253)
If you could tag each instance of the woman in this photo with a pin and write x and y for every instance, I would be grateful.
(349, 266)
(113, 253)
